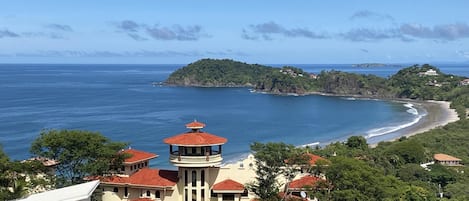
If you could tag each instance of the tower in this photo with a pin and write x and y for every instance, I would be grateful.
(196, 154)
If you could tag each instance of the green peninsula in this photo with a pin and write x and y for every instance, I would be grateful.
(423, 82)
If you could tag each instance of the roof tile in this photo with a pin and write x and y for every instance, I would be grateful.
(228, 184)
(304, 181)
(138, 156)
(444, 157)
(146, 177)
(195, 139)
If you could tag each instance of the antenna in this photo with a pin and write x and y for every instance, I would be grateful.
(303, 194)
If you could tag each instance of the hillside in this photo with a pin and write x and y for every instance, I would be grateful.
(229, 73)
(218, 73)
(424, 82)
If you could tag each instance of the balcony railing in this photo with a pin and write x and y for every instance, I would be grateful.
(195, 161)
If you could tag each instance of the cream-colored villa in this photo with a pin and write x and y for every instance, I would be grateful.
(200, 176)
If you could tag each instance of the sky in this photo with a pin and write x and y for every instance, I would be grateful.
(255, 31)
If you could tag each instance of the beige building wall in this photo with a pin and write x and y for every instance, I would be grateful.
(165, 195)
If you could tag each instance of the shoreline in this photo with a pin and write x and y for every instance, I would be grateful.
(438, 114)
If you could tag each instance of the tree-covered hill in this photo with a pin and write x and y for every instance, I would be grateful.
(218, 73)
(416, 82)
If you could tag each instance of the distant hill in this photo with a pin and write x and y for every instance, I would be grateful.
(417, 82)
(218, 73)
(229, 73)
(372, 65)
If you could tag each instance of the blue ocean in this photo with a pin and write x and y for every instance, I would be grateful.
(121, 102)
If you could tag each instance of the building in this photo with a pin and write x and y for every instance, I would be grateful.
(79, 192)
(303, 184)
(199, 175)
(429, 72)
(447, 160)
(464, 82)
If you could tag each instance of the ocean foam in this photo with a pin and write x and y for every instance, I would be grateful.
(390, 129)
(311, 144)
(411, 109)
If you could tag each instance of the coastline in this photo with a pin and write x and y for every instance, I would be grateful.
(438, 114)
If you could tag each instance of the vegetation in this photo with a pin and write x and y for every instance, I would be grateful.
(16, 177)
(407, 83)
(80, 153)
(272, 161)
(218, 73)
(390, 171)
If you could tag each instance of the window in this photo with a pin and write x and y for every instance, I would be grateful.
(185, 178)
(194, 178)
(131, 167)
(213, 195)
(146, 163)
(194, 195)
(148, 193)
(228, 196)
(157, 194)
(126, 192)
(245, 193)
(115, 190)
(202, 177)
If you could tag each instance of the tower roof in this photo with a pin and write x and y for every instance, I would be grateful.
(195, 137)
(195, 125)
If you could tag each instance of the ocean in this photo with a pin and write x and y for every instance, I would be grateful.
(121, 102)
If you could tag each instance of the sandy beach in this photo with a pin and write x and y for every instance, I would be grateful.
(439, 114)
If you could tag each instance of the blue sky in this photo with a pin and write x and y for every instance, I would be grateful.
(261, 31)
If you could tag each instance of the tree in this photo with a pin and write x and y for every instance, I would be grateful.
(357, 142)
(413, 172)
(408, 151)
(16, 178)
(272, 160)
(355, 180)
(80, 153)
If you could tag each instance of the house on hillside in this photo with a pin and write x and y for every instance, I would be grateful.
(447, 160)
(300, 189)
(464, 82)
(429, 72)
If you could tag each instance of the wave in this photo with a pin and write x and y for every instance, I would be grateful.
(349, 98)
(390, 129)
(411, 109)
(311, 144)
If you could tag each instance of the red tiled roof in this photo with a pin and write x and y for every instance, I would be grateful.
(314, 158)
(228, 184)
(138, 156)
(304, 181)
(195, 139)
(195, 125)
(444, 157)
(145, 177)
